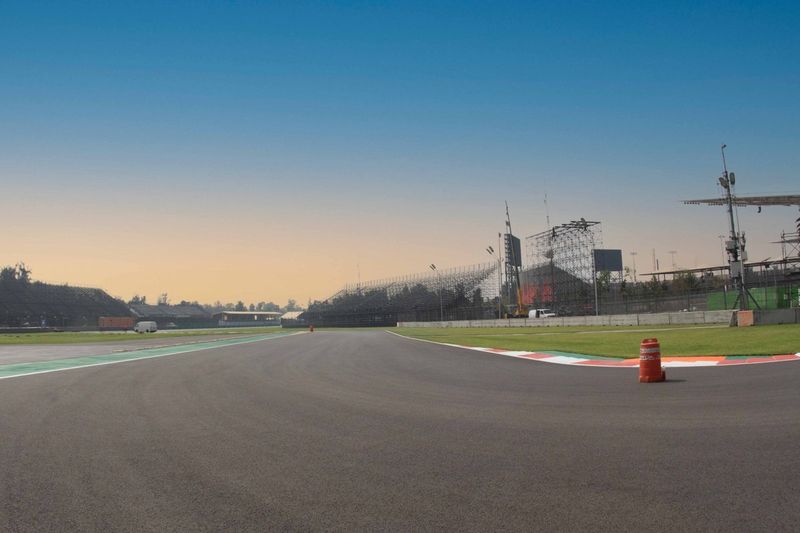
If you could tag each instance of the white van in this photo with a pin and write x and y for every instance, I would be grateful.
(541, 313)
(145, 327)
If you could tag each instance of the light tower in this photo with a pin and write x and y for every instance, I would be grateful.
(672, 254)
(735, 244)
(633, 256)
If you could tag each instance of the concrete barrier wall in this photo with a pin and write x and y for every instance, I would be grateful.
(692, 317)
(776, 316)
(719, 317)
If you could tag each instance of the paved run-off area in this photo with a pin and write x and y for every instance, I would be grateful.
(365, 430)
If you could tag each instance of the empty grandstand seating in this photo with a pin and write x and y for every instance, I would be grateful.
(35, 304)
(453, 294)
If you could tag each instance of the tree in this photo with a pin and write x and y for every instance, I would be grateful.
(240, 306)
(251, 307)
(137, 300)
(163, 299)
(18, 273)
(685, 281)
(291, 305)
(23, 273)
(8, 274)
(653, 287)
(603, 281)
(628, 273)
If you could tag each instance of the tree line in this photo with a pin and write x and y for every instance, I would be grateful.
(21, 274)
(218, 306)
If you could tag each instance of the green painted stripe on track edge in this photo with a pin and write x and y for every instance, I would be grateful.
(41, 367)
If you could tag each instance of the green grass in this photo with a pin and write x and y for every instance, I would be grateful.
(95, 336)
(623, 341)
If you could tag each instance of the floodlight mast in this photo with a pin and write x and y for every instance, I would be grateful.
(491, 251)
(734, 246)
(441, 305)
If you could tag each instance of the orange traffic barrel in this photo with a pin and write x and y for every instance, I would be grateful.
(311, 328)
(650, 370)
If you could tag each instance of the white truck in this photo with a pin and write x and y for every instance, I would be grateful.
(146, 326)
(541, 313)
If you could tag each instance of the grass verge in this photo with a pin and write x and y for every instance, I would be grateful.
(623, 341)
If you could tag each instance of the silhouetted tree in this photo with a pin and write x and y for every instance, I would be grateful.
(23, 273)
(8, 274)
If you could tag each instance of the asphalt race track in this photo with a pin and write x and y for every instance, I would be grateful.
(368, 431)
(17, 353)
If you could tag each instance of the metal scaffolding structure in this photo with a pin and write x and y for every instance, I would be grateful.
(560, 269)
(735, 245)
(467, 292)
(790, 244)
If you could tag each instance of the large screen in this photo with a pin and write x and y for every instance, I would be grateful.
(516, 258)
(608, 260)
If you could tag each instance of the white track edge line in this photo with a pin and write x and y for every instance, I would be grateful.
(138, 358)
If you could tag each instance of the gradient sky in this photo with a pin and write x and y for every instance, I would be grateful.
(266, 151)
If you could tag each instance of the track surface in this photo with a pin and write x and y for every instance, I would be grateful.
(26, 353)
(365, 430)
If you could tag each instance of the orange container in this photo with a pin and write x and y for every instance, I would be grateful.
(650, 370)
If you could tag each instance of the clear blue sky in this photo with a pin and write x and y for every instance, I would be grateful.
(388, 134)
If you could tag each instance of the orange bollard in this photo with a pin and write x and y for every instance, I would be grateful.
(311, 328)
(650, 370)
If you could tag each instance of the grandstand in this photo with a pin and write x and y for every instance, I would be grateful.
(456, 294)
(292, 319)
(35, 304)
(549, 286)
(232, 319)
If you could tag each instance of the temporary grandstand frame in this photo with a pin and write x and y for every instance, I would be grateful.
(561, 271)
(790, 244)
(455, 293)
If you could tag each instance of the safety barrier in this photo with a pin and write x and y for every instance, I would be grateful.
(689, 318)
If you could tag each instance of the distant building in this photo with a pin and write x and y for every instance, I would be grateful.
(292, 319)
(174, 316)
(247, 318)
